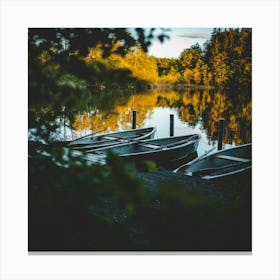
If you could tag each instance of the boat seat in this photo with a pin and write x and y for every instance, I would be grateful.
(114, 138)
(148, 145)
(109, 137)
(232, 158)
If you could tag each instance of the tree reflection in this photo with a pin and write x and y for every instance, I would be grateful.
(192, 105)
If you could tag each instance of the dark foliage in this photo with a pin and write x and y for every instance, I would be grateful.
(73, 206)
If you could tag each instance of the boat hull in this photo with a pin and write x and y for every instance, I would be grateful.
(162, 155)
(109, 139)
(162, 151)
(229, 162)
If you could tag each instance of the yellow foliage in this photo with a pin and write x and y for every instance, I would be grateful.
(95, 53)
(189, 104)
(188, 75)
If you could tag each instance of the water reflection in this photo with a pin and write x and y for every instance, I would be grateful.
(192, 107)
(73, 115)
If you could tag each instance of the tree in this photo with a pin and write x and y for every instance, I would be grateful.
(188, 75)
(81, 40)
(228, 54)
(142, 66)
(189, 57)
(220, 68)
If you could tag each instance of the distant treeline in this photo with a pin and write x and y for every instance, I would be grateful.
(73, 59)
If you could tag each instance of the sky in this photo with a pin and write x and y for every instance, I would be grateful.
(180, 39)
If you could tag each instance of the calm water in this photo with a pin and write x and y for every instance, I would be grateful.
(195, 111)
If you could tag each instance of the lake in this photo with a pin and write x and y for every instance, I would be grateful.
(195, 111)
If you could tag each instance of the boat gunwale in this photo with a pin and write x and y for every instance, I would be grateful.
(155, 150)
(162, 148)
(151, 132)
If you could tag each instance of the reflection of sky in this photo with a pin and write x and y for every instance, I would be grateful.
(180, 39)
(160, 118)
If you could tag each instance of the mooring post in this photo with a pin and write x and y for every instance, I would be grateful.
(221, 133)
(171, 125)
(134, 114)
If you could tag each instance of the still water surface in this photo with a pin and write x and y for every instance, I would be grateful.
(195, 111)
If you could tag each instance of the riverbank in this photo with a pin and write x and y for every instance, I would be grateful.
(219, 191)
(189, 214)
(163, 86)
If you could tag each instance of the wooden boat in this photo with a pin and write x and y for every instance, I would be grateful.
(161, 151)
(220, 164)
(93, 141)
